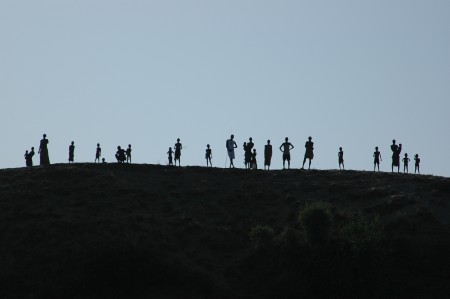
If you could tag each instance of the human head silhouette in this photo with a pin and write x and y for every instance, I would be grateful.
(406, 155)
(45, 135)
(207, 145)
(178, 139)
(232, 136)
(118, 147)
(32, 148)
(98, 144)
(286, 139)
(393, 141)
(72, 142)
(129, 145)
(309, 138)
(340, 148)
(376, 148)
(250, 139)
(268, 141)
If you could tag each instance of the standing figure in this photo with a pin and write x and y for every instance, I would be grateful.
(377, 159)
(396, 150)
(405, 163)
(27, 159)
(254, 164)
(287, 146)
(120, 155)
(231, 145)
(208, 155)
(71, 152)
(30, 156)
(178, 148)
(170, 153)
(248, 153)
(98, 153)
(128, 152)
(246, 156)
(43, 151)
(267, 155)
(103, 161)
(309, 154)
(341, 158)
(416, 163)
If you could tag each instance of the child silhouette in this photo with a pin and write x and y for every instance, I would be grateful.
(377, 159)
(405, 163)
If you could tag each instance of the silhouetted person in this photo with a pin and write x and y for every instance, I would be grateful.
(247, 156)
(103, 160)
(170, 153)
(376, 159)
(405, 163)
(416, 163)
(178, 148)
(120, 155)
(309, 154)
(231, 145)
(396, 150)
(248, 152)
(98, 153)
(128, 152)
(43, 151)
(253, 163)
(71, 152)
(27, 159)
(208, 155)
(30, 156)
(267, 155)
(341, 158)
(286, 147)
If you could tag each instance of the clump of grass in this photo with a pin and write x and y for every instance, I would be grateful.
(316, 220)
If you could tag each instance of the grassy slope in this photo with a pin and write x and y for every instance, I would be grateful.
(80, 230)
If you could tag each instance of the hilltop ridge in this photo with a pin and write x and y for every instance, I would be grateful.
(97, 230)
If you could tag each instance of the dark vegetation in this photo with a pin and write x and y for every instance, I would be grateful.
(141, 231)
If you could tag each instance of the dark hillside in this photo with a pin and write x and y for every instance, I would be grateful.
(144, 231)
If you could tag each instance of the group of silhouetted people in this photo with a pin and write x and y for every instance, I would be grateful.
(396, 151)
(250, 162)
(122, 155)
(43, 153)
(178, 147)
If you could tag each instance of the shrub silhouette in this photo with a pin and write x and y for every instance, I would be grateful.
(261, 236)
(316, 220)
(361, 233)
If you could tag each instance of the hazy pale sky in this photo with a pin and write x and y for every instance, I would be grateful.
(355, 74)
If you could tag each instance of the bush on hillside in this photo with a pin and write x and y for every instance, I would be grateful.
(316, 220)
(261, 236)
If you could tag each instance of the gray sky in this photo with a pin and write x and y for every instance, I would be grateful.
(355, 74)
